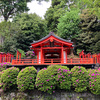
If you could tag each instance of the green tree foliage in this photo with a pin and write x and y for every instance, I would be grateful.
(93, 5)
(7, 32)
(89, 38)
(9, 8)
(96, 45)
(57, 9)
(32, 27)
(22, 53)
(77, 4)
(68, 26)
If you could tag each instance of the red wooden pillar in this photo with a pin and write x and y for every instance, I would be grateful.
(62, 56)
(41, 54)
(99, 58)
(17, 55)
(66, 56)
(9, 57)
(3, 58)
(37, 56)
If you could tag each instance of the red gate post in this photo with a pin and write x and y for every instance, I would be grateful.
(3, 58)
(8, 57)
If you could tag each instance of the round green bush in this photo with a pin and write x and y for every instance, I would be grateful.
(9, 78)
(26, 78)
(94, 81)
(80, 78)
(54, 77)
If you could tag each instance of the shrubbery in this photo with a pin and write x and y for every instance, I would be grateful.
(26, 78)
(3, 66)
(9, 78)
(0, 79)
(80, 78)
(53, 77)
(94, 81)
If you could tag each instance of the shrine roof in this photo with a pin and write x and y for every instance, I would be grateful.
(51, 34)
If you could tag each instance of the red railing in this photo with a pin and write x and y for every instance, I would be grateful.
(52, 61)
(80, 61)
(24, 61)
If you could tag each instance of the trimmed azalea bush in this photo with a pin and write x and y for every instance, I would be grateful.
(0, 78)
(3, 66)
(9, 78)
(54, 77)
(94, 81)
(80, 78)
(26, 78)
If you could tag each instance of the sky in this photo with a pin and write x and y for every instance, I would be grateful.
(39, 9)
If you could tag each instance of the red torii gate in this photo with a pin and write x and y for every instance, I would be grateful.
(96, 57)
(5, 57)
(18, 56)
(83, 55)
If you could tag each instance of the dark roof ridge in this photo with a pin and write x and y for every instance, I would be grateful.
(51, 33)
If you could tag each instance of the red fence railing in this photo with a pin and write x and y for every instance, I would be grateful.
(51, 61)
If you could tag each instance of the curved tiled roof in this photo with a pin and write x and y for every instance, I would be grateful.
(51, 33)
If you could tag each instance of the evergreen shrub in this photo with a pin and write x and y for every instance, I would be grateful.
(94, 81)
(54, 77)
(9, 78)
(26, 78)
(3, 66)
(0, 78)
(80, 78)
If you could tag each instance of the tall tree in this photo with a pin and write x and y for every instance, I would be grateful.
(68, 26)
(88, 39)
(32, 27)
(57, 9)
(7, 31)
(9, 8)
(94, 6)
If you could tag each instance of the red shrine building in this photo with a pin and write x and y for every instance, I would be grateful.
(52, 49)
